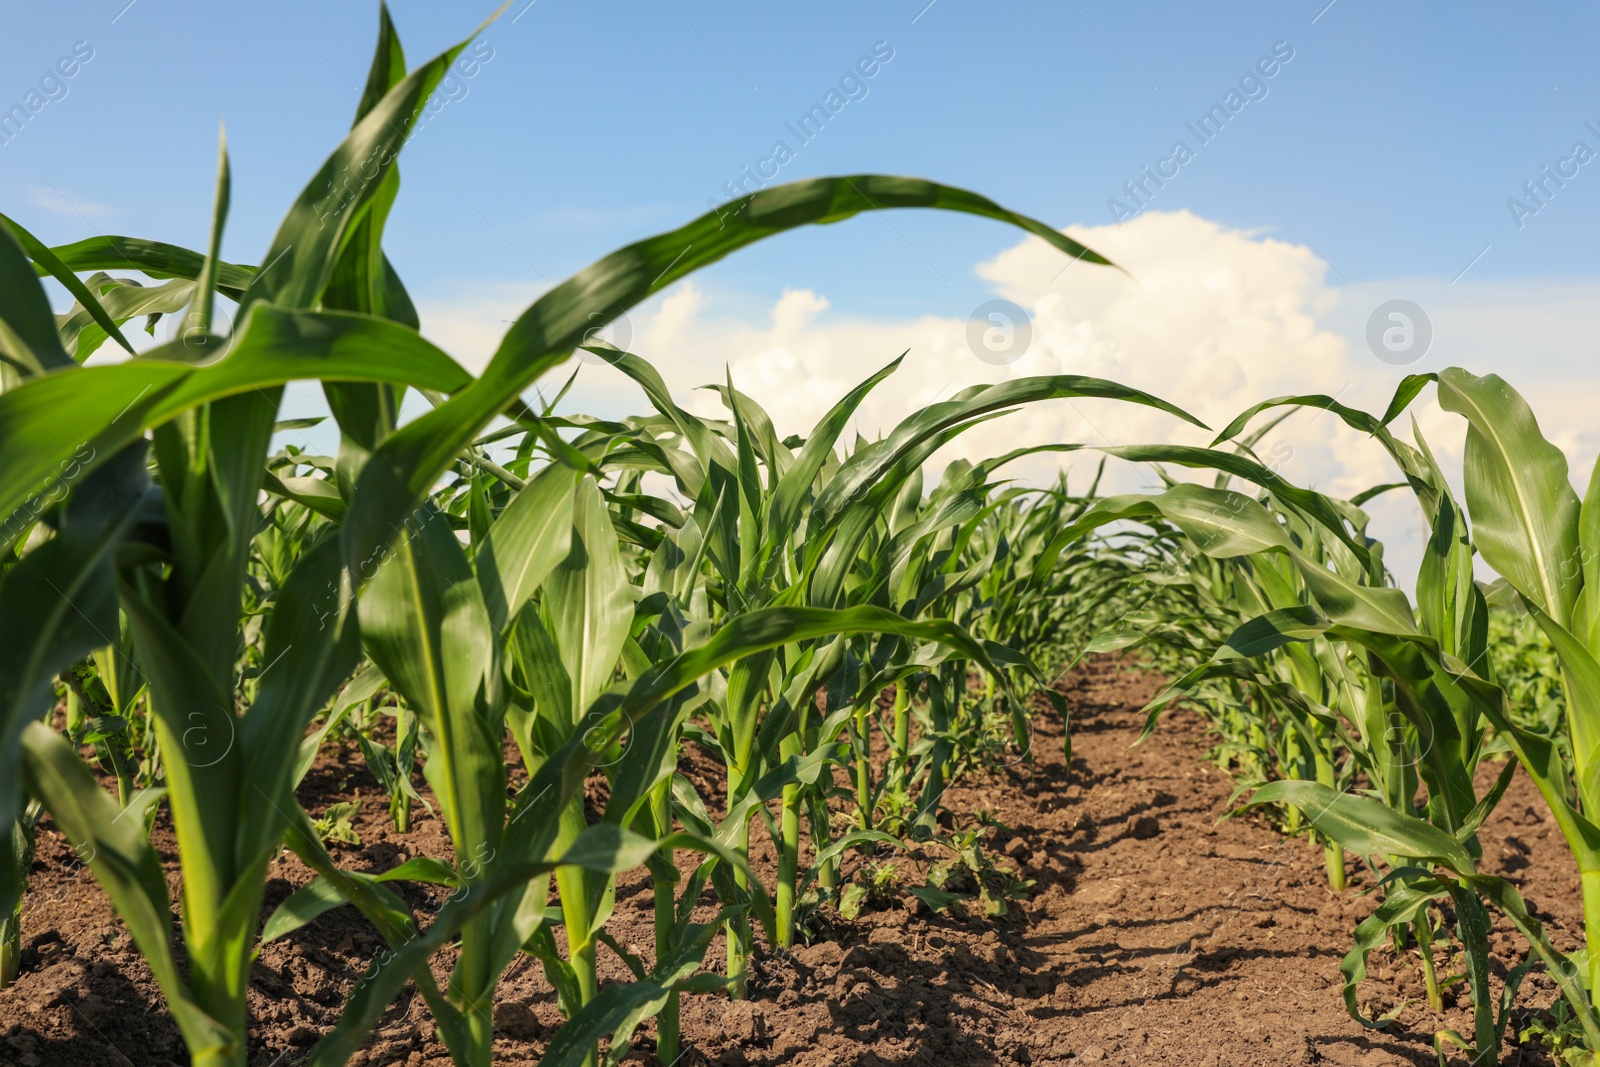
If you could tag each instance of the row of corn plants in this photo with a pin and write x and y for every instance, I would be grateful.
(1362, 715)
(209, 610)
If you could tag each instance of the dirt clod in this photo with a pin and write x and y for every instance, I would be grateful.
(516, 1020)
(1143, 828)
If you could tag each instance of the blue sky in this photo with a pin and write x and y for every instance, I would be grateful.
(1376, 162)
(1390, 142)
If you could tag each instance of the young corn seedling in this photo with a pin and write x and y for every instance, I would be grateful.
(393, 767)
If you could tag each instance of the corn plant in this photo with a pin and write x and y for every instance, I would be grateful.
(1533, 528)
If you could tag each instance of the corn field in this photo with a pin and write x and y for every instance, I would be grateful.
(521, 617)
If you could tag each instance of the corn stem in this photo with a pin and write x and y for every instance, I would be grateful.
(10, 948)
(1430, 974)
(788, 849)
(1333, 856)
(1591, 929)
(576, 916)
(664, 882)
(902, 734)
(863, 754)
(739, 936)
(667, 1025)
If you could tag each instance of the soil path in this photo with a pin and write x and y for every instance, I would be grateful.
(1152, 936)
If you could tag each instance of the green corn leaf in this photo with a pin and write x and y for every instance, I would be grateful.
(710, 451)
(588, 608)
(385, 910)
(541, 945)
(619, 1009)
(1365, 826)
(1524, 510)
(1276, 628)
(1376, 491)
(1313, 504)
(364, 280)
(303, 906)
(798, 481)
(57, 604)
(1472, 928)
(209, 563)
(1586, 609)
(1448, 706)
(198, 734)
(121, 300)
(1400, 908)
(1560, 968)
(1405, 393)
(864, 468)
(1489, 801)
(311, 646)
(196, 326)
(303, 255)
(424, 624)
(1449, 604)
(114, 405)
(154, 258)
(42, 256)
(1581, 673)
(422, 869)
(323, 894)
(126, 866)
(319, 494)
(28, 338)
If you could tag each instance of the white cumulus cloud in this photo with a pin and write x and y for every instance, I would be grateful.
(1210, 318)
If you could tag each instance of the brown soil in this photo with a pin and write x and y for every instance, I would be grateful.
(1151, 936)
